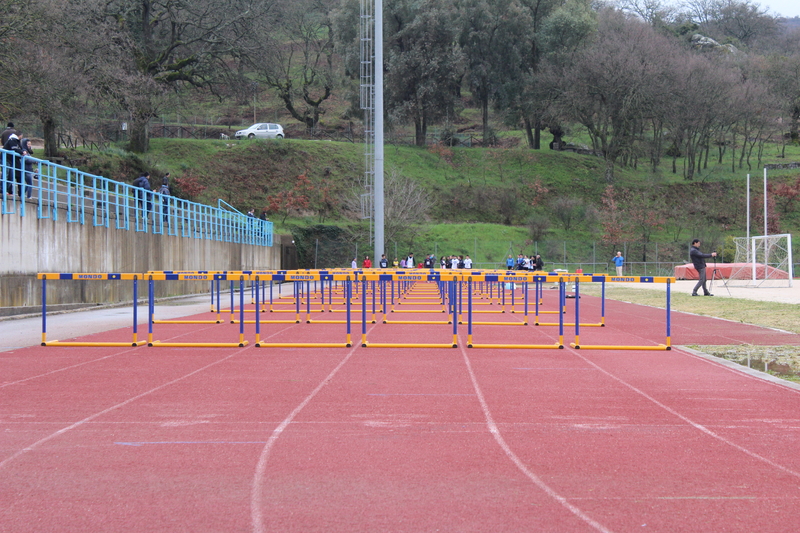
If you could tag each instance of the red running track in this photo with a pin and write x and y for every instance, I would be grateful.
(399, 439)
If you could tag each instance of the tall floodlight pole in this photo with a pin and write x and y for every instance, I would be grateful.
(378, 117)
(371, 93)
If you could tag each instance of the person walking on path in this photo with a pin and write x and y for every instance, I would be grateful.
(618, 262)
(699, 261)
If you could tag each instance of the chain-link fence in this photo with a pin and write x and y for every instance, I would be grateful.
(323, 247)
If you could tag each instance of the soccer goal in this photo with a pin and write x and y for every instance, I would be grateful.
(763, 261)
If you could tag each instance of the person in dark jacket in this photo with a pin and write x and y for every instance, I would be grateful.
(13, 164)
(144, 192)
(8, 132)
(699, 261)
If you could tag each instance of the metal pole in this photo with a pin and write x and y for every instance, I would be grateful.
(378, 116)
(766, 241)
(765, 207)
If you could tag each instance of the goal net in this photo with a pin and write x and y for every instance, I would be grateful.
(763, 261)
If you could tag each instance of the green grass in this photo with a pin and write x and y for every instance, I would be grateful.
(768, 314)
(781, 361)
(461, 181)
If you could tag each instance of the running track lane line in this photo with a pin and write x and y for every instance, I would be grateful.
(113, 407)
(256, 494)
(495, 431)
(689, 421)
(63, 369)
(57, 370)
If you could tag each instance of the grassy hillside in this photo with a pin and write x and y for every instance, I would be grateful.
(485, 202)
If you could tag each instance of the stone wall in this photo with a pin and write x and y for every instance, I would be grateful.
(29, 245)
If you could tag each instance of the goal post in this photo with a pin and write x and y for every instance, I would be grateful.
(763, 261)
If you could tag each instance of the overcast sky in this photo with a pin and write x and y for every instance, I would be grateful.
(787, 8)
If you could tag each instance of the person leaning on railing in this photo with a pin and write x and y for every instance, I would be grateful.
(14, 163)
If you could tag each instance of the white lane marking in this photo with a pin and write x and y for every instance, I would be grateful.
(113, 407)
(691, 422)
(23, 380)
(256, 492)
(495, 431)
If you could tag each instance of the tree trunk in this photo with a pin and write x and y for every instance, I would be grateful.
(419, 132)
(485, 118)
(49, 134)
(140, 134)
(529, 133)
(609, 173)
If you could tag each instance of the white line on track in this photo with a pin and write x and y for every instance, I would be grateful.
(495, 431)
(57, 370)
(113, 407)
(256, 492)
(689, 421)
(64, 368)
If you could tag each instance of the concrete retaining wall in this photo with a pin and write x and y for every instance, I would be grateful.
(29, 245)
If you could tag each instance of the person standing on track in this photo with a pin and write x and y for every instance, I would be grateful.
(699, 261)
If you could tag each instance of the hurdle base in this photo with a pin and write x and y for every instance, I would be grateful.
(187, 321)
(518, 346)
(405, 345)
(268, 322)
(95, 344)
(303, 345)
(660, 347)
(417, 321)
(159, 344)
(496, 323)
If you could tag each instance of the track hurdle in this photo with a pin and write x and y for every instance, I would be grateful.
(407, 281)
(305, 277)
(215, 291)
(413, 278)
(637, 279)
(513, 278)
(93, 277)
(152, 278)
(521, 277)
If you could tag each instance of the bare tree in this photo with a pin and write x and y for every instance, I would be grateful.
(405, 201)
(568, 209)
(654, 12)
(137, 50)
(295, 57)
(17, 24)
(616, 83)
(783, 75)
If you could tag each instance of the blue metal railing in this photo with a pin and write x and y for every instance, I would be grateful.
(84, 198)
